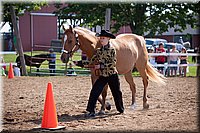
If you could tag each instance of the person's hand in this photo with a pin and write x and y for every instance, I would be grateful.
(86, 66)
(97, 66)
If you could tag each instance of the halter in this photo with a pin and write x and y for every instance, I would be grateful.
(76, 44)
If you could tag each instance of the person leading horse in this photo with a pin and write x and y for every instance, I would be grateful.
(130, 52)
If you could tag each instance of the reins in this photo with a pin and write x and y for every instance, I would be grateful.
(76, 44)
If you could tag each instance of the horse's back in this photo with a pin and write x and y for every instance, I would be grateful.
(131, 39)
(128, 48)
(35, 61)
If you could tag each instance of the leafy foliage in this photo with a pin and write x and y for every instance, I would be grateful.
(154, 18)
(20, 8)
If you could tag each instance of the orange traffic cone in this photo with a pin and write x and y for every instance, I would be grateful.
(10, 72)
(49, 119)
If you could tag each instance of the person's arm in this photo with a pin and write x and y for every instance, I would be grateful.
(163, 51)
(82, 63)
(93, 59)
(186, 57)
(86, 63)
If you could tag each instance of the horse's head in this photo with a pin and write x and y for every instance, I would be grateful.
(70, 43)
(18, 61)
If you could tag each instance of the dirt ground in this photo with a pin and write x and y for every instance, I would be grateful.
(173, 107)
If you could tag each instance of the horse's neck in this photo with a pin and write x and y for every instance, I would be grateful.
(26, 56)
(87, 45)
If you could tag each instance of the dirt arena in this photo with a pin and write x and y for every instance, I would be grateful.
(173, 107)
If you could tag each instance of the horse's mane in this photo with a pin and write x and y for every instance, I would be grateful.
(90, 35)
(86, 31)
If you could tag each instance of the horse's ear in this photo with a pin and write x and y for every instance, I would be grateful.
(65, 25)
(70, 28)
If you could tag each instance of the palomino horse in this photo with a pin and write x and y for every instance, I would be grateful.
(130, 50)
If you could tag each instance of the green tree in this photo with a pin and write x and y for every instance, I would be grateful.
(20, 8)
(141, 17)
(10, 14)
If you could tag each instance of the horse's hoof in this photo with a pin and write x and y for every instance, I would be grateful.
(146, 106)
(133, 106)
(101, 112)
(108, 106)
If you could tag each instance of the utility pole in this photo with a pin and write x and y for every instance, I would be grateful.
(107, 19)
(19, 43)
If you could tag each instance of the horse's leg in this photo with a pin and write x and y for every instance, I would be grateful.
(37, 74)
(105, 105)
(142, 70)
(129, 79)
(145, 103)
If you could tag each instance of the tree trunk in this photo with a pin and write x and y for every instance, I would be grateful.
(19, 43)
(137, 26)
(107, 19)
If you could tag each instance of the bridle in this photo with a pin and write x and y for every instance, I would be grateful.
(77, 44)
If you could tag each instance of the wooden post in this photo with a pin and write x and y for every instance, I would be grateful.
(19, 43)
(107, 19)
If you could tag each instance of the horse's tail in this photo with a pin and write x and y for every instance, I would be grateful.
(154, 75)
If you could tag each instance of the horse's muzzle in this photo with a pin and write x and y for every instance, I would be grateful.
(64, 58)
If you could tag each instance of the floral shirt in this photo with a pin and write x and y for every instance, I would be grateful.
(106, 58)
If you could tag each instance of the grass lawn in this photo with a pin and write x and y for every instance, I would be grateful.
(61, 66)
(43, 69)
(192, 69)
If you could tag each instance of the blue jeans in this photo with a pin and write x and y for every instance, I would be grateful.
(173, 67)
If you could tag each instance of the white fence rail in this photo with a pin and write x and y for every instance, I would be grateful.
(149, 54)
(174, 54)
(7, 52)
(166, 65)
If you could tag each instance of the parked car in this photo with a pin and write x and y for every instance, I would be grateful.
(190, 50)
(177, 45)
(154, 41)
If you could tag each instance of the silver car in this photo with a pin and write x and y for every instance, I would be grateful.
(177, 45)
(154, 41)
